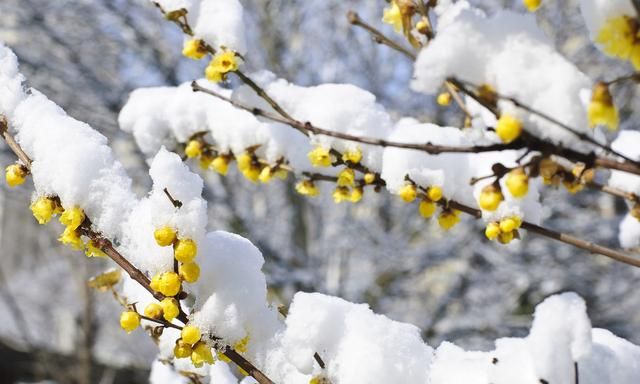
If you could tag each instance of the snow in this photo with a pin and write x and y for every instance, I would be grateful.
(220, 23)
(162, 373)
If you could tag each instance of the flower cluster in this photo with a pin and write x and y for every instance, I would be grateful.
(620, 37)
(221, 64)
(504, 230)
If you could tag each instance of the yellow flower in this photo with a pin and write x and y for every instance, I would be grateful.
(242, 345)
(193, 149)
(307, 188)
(492, 231)
(434, 193)
(194, 49)
(601, 110)
(223, 357)
(43, 209)
(356, 194)
(190, 272)
(393, 16)
(506, 237)
(488, 94)
(221, 164)
(92, 250)
(517, 183)
(352, 156)
(71, 238)
(634, 56)
(408, 193)
(346, 178)
(281, 173)
(532, 5)
(221, 64)
(573, 186)
(72, 217)
(244, 161)
(164, 236)
(490, 198)
(548, 168)
(341, 194)
(167, 283)
(252, 173)
(190, 334)
(508, 224)
(15, 175)
(427, 208)
(182, 350)
(508, 128)
(448, 219)
(320, 157)
(616, 37)
(444, 99)
(201, 354)
(153, 310)
(265, 175)
(129, 321)
(105, 281)
(369, 178)
(170, 308)
(185, 250)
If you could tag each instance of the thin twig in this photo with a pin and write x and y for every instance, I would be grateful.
(174, 202)
(378, 36)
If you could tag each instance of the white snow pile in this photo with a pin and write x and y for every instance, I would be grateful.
(220, 23)
(508, 52)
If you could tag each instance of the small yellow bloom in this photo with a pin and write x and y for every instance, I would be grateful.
(346, 178)
(72, 217)
(15, 175)
(341, 194)
(182, 350)
(201, 354)
(281, 173)
(492, 231)
(573, 186)
(434, 193)
(265, 175)
(532, 5)
(185, 250)
(129, 321)
(488, 94)
(427, 208)
(71, 238)
(352, 156)
(617, 37)
(105, 281)
(307, 188)
(165, 236)
(244, 161)
(444, 99)
(448, 219)
(408, 193)
(393, 16)
(508, 224)
(153, 310)
(508, 128)
(223, 357)
(634, 56)
(320, 157)
(252, 173)
(92, 250)
(190, 334)
(194, 49)
(517, 183)
(193, 149)
(601, 110)
(221, 164)
(43, 209)
(506, 237)
(548, 168)
(221, 64)
(369, 178)
(242, 345)
(167, 283)
(190, 272)
(490, 198)
(170, 308)
(356, 194)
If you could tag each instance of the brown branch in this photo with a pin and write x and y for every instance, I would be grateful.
(378, 36)
(263, 94)
(107, 247)
(174, 202)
